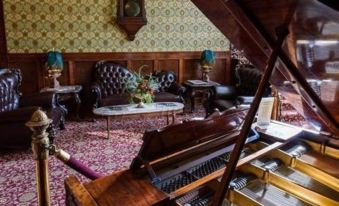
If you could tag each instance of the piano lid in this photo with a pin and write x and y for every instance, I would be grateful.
(307, 72)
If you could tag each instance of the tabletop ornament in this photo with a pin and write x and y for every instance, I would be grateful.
(142, 90)
(207, 62)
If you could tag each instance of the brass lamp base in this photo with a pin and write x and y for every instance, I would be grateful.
(205, 77)
(55, 82)
(205, 72)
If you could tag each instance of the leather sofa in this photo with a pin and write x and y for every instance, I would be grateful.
(169, 90)
(109, 85)
(223, 97)
(16, 110)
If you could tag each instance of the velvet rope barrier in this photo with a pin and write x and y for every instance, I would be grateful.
(42, 148)
(75, 164)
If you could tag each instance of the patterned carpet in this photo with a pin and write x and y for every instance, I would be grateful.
(86, 141)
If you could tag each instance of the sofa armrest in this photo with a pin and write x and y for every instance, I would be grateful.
(96, 94)
(45, 100)
(177, 89)
(18, 115)
(245, 100)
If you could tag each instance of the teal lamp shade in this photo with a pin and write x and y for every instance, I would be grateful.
(54, 61)
(207, 58)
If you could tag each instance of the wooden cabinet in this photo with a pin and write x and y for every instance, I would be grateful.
(131, 16)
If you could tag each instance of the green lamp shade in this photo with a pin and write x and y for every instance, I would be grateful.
(207, 58)
(54, 60)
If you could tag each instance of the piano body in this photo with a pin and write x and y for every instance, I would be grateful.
(190, 164)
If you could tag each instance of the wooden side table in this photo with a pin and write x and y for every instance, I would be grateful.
(68, 91)
(193, 89)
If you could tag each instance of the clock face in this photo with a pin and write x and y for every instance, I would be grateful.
(132, 8)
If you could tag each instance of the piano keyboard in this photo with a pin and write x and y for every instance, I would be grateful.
(196, 172)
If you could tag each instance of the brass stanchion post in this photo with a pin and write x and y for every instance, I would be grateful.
(276, 113)
(38, 124)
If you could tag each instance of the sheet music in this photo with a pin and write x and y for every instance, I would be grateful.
(265, 112)
(280, 132)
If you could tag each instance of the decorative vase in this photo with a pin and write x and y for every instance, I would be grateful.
(132, 8)
(54, 66)
(141, 105)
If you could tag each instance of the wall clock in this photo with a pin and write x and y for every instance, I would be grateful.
(131, 16)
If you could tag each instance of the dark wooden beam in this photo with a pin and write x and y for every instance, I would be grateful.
(217, 12)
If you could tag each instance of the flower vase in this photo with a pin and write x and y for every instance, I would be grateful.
(141, 104)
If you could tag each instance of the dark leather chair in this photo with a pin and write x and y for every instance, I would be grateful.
(223, 97)
(110, 85)
(16, 110)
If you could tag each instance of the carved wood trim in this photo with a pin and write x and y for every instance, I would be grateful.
(33, 64)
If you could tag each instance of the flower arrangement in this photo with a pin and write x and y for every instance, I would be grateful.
(142, 88)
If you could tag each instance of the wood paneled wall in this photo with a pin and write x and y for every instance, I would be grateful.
(78, 66)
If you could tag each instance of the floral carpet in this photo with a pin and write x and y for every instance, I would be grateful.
(86, 141)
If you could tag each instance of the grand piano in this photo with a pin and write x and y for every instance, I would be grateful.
(226, 159)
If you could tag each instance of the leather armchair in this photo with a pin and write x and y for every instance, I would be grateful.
(110, 85)
(224, 97)
(16, 110)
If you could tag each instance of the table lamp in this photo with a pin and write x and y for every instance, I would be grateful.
(54, 66)
(207, 61)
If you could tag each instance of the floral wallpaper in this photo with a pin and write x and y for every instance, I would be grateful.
(34, 26)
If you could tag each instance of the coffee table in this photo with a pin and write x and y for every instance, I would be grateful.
(168, 109)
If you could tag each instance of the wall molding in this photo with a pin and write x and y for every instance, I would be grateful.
(118, 55)
(78, 66)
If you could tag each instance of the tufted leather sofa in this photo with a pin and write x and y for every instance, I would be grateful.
(16, 110)
(110, 85)
(224, 97)
(169, 90)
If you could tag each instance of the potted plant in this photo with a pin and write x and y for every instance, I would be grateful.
(142, 88)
